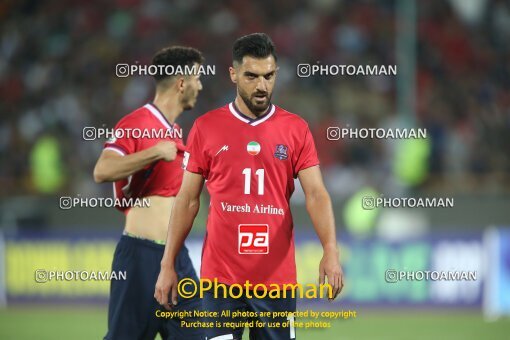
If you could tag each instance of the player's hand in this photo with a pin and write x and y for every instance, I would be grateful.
(166, 286)
(166, 150)
(330, 267)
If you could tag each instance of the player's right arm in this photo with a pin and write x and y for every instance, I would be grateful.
(186, 205)
(125, 155)
(112, 166)
(183, 214)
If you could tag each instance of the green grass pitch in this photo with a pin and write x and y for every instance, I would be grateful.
(90, 323)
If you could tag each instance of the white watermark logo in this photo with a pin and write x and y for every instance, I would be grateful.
(393, 275)
(371, 202)
(126, 70)
(43, 275)
(336, 133)
(308, 70)
(67, 202)
(93, 133)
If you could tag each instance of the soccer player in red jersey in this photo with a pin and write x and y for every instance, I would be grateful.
(149, 167)
(250, 151)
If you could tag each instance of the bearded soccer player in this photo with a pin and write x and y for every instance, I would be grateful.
(250, 151)
(150, 167)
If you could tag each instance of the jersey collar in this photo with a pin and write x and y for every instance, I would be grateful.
(251, 121)
(159, 115)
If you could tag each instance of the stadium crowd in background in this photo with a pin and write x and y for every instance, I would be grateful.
(57, 76)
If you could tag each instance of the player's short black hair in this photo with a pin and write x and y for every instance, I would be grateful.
(176, 56)
(257, 45)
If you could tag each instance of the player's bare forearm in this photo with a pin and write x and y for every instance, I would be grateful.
(186, 206)
(318, 205)
(183, 213)
(112, 167)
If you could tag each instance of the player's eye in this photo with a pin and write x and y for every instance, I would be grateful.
(269, 76)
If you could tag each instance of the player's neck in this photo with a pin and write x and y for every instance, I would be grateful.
(169, 107)
(241, 106)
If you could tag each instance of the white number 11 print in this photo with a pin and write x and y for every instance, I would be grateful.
(247, 181)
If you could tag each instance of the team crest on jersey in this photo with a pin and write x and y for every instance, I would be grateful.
(281, 152)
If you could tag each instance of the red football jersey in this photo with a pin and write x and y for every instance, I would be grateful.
(250, 166)
(159, 178)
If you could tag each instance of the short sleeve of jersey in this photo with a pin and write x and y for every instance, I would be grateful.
(196, 159)
(307, 154)
(126, 144)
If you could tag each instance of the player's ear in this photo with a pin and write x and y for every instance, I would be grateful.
(180, 83)
(233, 74)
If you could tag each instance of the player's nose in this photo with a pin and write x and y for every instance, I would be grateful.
(261, 85)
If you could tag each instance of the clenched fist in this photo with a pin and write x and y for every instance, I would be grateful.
(166, 150)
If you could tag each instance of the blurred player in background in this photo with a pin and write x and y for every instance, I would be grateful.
(250, 151)
(149, 168)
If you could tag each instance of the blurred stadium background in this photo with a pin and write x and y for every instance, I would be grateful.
(57, 76)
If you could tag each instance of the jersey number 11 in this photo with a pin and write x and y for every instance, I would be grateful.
(247, 181)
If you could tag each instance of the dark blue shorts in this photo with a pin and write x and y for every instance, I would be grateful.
(132, 307)
(244, 304)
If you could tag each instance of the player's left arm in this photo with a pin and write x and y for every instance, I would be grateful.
(318, 205)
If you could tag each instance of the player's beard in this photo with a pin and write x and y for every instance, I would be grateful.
(189, 98)
(251, 103)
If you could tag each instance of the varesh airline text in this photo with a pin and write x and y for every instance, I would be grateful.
(256, 209)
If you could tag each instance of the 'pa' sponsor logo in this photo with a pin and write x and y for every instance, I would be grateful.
(253, 239)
